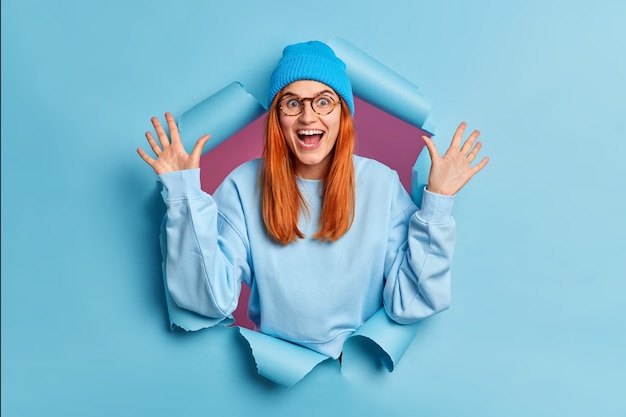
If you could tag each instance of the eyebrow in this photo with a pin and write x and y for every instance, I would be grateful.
(289, 93)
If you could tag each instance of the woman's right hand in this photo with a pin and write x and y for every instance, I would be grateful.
(171, 154)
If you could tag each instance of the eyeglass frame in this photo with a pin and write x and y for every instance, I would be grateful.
(310, 99)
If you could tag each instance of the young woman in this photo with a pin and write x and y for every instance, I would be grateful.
(323, 237)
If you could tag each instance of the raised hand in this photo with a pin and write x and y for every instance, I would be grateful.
(171, 154)
(448, 174)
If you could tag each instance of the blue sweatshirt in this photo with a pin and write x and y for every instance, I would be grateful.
(312, 293)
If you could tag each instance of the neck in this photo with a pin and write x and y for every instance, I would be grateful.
(309, 172)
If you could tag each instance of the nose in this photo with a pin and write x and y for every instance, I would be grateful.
(308, 115)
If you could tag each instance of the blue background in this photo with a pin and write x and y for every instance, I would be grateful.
(537, 322)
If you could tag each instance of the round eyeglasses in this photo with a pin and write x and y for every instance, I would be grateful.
(321, 104)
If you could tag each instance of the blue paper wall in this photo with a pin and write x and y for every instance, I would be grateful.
(537, 322)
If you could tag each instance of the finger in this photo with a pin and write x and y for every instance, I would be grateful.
(163, 139)
(479, 166)
(472, 154)
(153, 145)
(432, 149)
(467, 146)
(171, 125)
(458, 135)
(197, 149)
(149, 160)
(156, 166)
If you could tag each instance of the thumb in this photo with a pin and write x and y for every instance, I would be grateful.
(199, 146)
(432, 149)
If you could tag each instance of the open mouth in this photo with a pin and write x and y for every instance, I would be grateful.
(310, 139)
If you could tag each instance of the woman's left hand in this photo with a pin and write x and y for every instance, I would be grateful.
(448, 174)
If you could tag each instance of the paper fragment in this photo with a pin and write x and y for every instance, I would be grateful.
(222, 115)
(279, 361)
(382, 87)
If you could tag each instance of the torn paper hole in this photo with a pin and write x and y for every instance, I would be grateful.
(384, 101)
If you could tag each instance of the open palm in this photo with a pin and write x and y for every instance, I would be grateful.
(171, 154)
(448, 174)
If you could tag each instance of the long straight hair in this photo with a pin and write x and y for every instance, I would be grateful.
(281, 201)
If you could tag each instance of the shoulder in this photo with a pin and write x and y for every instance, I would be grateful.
(245, 175)
(242, 181)
(379, 184)
(245, 171)
(371, 168)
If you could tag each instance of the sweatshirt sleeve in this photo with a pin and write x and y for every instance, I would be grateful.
(418, 277)
(203, 275)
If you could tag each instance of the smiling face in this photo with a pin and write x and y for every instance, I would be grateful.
(310, 137)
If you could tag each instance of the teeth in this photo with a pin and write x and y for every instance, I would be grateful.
(310, 132)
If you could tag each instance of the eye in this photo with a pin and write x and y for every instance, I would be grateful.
(292, 103)
(323, 102)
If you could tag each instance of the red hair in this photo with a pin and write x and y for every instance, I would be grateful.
(281, 201)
